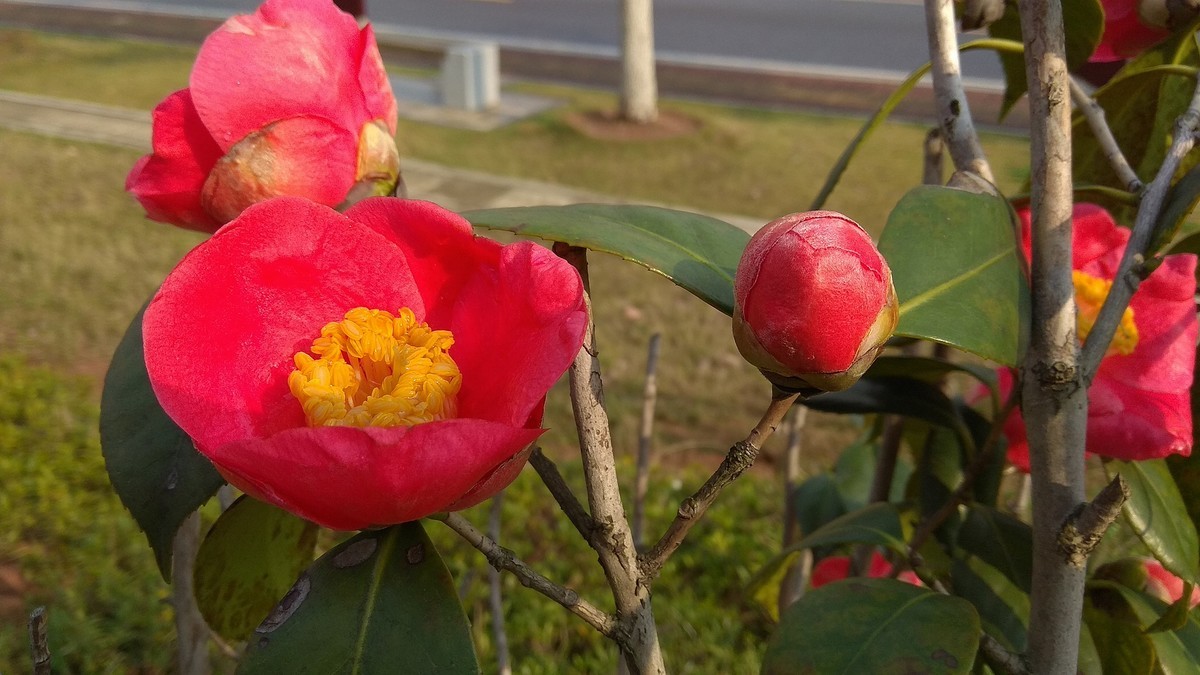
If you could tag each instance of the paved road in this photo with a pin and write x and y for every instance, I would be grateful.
(865, 36)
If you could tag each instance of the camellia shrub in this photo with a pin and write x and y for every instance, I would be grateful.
(353, 360)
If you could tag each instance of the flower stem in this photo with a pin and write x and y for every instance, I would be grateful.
(504, 559)
(739, 458)
(612, 538)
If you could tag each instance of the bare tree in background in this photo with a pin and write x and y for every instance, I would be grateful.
(639, 84)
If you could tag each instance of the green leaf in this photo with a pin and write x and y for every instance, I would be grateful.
(879, 626)
(1140, 105)
(1176, 616)
(877, 524)
(933, 370)
(152, 464)
(1120, 646)
(1084, 23)
(1153, 511)
(958, 272)
(854, 472)
(817, 501)
(249, 559)
(1000, 540)
(897, 396)
(381, 602)
(1178, 651)
(699, 253)
(1003, 608)
(1173, 225)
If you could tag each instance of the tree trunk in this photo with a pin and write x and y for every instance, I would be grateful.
(639, 84)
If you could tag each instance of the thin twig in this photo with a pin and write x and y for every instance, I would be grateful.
(954, 115)
(504, 559)
(1131, 271)
(495, 600)
(1094, 114)
(611, 539)
(645, 440)
(39, 642)
(981, 460)
(1082, 533)
(740, 457)
(547, 470)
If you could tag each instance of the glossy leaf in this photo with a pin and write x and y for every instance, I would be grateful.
(1003, 608)
(854, 472)
(1173, 224)
(817, 501)
(878, 524)
(1084, 23)
(958, 272)
(1001, 540)
(878, 626)
(933, 371)
(152, 464)
(896, 396)
(697, 252)
(249, 559)
(1178, 651)
(1120, 646)
(1140, 105)
(1154, 511)
(381, 602)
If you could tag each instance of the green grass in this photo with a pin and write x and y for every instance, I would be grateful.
(77, 258)
(744, 161)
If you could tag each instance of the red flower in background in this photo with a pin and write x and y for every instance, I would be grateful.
(1126, 32)
(1166, 586)
(365, 369)
(1138, 404)
(291, 100)
(837, 567)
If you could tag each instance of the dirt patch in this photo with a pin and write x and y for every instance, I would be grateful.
(13, 589)
(607, 126)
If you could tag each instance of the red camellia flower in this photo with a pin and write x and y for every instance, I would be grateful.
(291, 100)
(1138, 404)
(1127, 30)
(1166, 586)
(837, 567)
(365, 369)
(813, 301)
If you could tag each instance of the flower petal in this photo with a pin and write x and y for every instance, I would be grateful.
(440, 245)
(377, 93)
(348, 478)
(1125, 422)
(291, 57)
(519, 326)
(221, 333)
(168, 182)
(303, 156)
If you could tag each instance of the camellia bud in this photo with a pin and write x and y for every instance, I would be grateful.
(813, 301)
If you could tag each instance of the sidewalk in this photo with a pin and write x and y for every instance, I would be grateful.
(456, 189)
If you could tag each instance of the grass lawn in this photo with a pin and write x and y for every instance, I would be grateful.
(77, 258)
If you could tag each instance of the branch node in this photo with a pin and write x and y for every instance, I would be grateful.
(1086, 526)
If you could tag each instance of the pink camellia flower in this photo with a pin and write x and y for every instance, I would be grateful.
(362, 369)
(1166, 586)
(837, 567)
(291, 100)
(1138, 404)
(813, 301)
(1130, 26)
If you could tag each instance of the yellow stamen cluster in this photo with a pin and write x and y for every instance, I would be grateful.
(1090, 293)
(377, 369)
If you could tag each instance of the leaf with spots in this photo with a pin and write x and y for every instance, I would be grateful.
(958, 272)
(380, 602)
(249, 559)
(700, 253)
(879, 626)
(152, 464)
